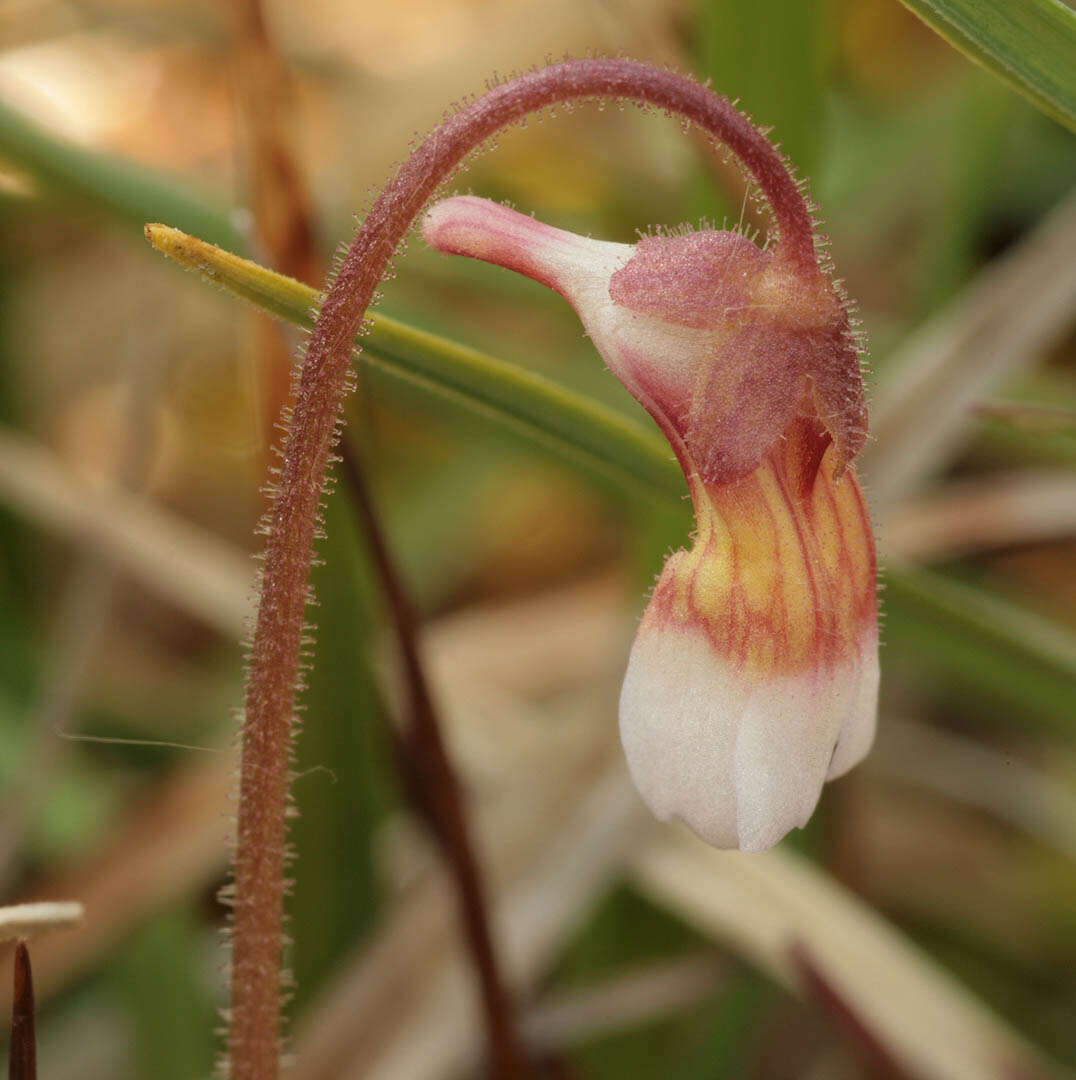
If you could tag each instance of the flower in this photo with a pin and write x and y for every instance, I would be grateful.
(753, 676)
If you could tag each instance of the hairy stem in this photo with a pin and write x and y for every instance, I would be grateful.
(322, 382)
(436, 789)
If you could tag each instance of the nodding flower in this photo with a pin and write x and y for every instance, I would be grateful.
(753, 677)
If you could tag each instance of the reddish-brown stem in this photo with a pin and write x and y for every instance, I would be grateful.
(322, 383)
(22, 1063)
(276, 191)
(436, 788)
(284, 224)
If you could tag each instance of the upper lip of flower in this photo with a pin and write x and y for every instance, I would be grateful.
(753, 676)
(718, 339)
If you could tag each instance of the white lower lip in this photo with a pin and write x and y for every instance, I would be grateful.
(740, 760)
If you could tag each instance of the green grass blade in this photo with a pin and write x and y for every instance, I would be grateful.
(118, 189)
(777, 54)
(343, 772)
(170, 1018)
(575, 427)
(1014, 664)
(1029, 44)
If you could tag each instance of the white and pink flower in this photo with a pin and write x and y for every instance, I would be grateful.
(753, 677)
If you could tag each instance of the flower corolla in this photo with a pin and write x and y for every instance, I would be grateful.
(753, 677)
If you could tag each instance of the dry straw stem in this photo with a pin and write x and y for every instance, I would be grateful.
(79, 617)
(970, 773)
(197, 572)
(19, 921)
(1028, 416)
(276, 189)
(641, 996)
(764, 905)
(1001, 323)
(930, 859)
(972, 516)
(876, 1059)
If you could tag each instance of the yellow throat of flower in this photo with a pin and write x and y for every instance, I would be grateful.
(782, 572)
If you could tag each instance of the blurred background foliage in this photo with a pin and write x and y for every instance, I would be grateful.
(136, 424)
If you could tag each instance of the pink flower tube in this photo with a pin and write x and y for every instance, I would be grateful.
(753, 677)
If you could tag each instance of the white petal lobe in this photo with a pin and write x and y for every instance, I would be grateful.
(786, 740)
(679, 717)
(858, 726)
(740, 759)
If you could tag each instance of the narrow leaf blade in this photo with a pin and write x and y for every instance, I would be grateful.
(120, 190)
(1030, 45)
(577, 428)
(1016, 663)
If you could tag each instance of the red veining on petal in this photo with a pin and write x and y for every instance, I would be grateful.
(781, 579)
(803, 526)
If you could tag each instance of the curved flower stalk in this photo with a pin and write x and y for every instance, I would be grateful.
(812, 615)
(754, 673)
